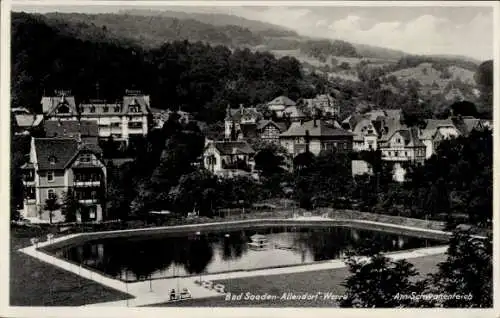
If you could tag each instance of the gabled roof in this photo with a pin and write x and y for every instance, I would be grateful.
(467, 124)
(52, 103)
(362, 128)
(28, 120)
(242, 112)
(320, 129)
(233, 147)
(432, 125)
(61, 151)
(282, 100)
(142, 101)
(293, 111)
(410, 136)
(265, 122)
(71, 128)
(249, 130)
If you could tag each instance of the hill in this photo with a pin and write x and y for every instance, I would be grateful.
(218, 19)
(200, 78)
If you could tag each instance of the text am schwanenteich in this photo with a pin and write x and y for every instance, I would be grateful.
(285, 296)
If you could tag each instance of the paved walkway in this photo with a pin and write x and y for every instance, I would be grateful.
(158, 291)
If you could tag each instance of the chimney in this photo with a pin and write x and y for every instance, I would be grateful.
(307, 137)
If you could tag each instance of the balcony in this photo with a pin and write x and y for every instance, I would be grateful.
(88, 201)
(29, 182)
(87, 183)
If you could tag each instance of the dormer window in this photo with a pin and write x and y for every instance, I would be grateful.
(92, 109)
(52, 160)
(85, 157)
(63, 109)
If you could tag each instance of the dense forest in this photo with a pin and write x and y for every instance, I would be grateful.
(200, 78)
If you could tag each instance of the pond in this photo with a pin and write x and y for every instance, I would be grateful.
(169, 255)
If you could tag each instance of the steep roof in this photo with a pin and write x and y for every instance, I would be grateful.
(52, 103)
(28, 120)
(320, 129)
(432, 125)
(410, 136)
(71, 128)
(233, 147)
(293, 111)
(236, 114)
(249, 130)
(282, 100)
(62, 150)
(142, 101)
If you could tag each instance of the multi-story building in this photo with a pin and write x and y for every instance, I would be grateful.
(241, 121)
(324, 103)
(435, 132)
(365, 136)
(402, 145)
(270, 131)
(58, 165)
(86, 130)
(279, 104)
(316, 135)
(122, 120)
(229, 158)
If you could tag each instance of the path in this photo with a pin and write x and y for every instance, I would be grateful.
(158, 291)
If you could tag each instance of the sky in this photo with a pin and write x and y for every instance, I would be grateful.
(466, 30)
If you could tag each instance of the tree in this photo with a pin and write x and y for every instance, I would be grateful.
(70, 207)
(468, 270)
(51, 205)
(484, 80)
(464, 108)
(377, 281)
(268, 161)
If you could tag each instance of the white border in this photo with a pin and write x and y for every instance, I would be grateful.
(5, 310)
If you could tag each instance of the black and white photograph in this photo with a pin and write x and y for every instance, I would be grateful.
(218, 155)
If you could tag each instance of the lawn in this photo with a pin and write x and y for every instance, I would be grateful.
(35, 283)
(307, 282)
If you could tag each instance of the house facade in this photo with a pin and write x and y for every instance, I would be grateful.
(436, 131)
(241, 122)
(270, 131)
(279, 104)
(365, 136)
(58, 165)
(122, 120)
(316, 135)
(228, 158)
(324, 103)
(403, 146)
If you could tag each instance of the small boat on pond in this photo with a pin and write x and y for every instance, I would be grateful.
(258, 242)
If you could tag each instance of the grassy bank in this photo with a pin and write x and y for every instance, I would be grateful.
(324, 281)
(35, 283)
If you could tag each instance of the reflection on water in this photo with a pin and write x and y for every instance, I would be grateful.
(137, 258)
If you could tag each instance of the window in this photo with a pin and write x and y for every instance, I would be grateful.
(50, 176)
(92, 213)
(92, 109)
(117, 109)
(93, 195)
(85, 157)
(135, 125)
(51, 194)
(396, 154)
(115, 125)
(63, 109)
(52, 160)
(105, 109)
